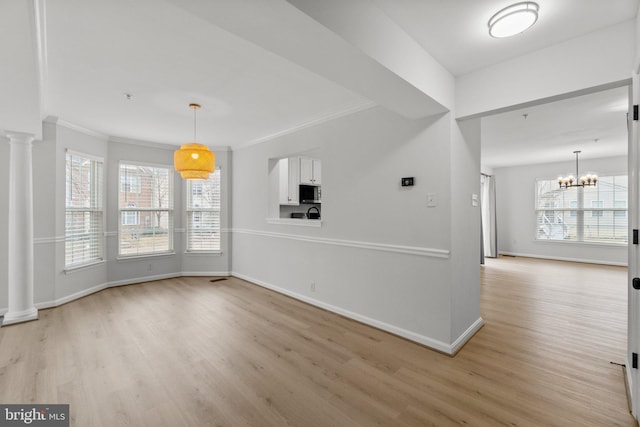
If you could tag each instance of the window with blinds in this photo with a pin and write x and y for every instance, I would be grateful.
(83, 242)
(591, 214)
(203, 214)
(146, 210)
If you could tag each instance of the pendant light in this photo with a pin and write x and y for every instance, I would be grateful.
(588, 180)
(193, 160)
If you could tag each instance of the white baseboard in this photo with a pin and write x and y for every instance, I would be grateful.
(206, 273)
(72, 297)
(85, 292)
(142, 279)
(629, 386)
(466, 335)
(450, 349)
(438, 345)
(555, 258)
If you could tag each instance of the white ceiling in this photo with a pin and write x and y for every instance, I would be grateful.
(167, 58)
(167, 55)
(551, 132)
(455, 32)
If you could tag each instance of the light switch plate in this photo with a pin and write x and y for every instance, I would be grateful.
(431, 200)
(474, 200)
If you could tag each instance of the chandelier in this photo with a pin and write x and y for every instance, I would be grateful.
(588, 180)
(193, 160)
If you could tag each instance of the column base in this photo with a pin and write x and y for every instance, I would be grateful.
(20, 316)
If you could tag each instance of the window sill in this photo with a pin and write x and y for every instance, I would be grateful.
(80, 267)
(317, 223)
(143, 256)
(209, 253)
(589, 244)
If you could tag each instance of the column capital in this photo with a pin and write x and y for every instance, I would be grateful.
(19, 137)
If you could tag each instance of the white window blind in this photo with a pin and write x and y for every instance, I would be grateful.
(146, 210)
(203, 213)
(83, 210)
(591, 214)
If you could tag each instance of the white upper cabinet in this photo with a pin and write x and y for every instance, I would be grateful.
(310, 171)
(289, 180)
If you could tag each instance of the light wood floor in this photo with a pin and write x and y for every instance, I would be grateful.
(186, 352)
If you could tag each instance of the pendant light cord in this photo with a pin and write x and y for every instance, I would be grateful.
(195, 124)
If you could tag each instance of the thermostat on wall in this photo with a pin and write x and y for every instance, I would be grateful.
(407, 182)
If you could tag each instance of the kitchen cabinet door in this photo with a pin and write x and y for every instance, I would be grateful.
(289, 180)
(306, 171)
(317, 172)
(309, 171)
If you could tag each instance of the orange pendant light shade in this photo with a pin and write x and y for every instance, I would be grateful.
(194, 161)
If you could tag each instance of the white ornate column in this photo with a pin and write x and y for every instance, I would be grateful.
(20, 260)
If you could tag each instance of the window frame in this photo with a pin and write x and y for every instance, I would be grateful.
(170, 210)
(580, 214)
(95, 209)
(197, 209)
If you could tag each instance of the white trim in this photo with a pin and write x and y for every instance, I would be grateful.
(466, 335)
(587, 261)
(583, 243)
(206, 274)
(122, 258)
(627, 371)
(137, 164)
(137, 280)
(141, 143)
(11, 318)
(71, 297)
(98, 288)
(161, 145)
(408, 250)
(74, 268)
(74, 153)
(295, 221)
(443, 347)
(412, 336)
(310, 123)
(203, 252)
(60, 122)
(48, 240)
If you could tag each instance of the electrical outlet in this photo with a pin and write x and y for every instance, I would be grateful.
(313, 287)
(150, 267)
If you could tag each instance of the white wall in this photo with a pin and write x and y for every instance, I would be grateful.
(465, 227)
(19, 85)
(595, 59)
(381, 255)
(516, 220)
(52, 285)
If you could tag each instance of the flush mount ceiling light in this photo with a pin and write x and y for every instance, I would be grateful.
(193, 160)
(513, 19)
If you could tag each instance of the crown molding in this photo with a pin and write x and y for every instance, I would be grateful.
(60, 122)
(160, 145)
